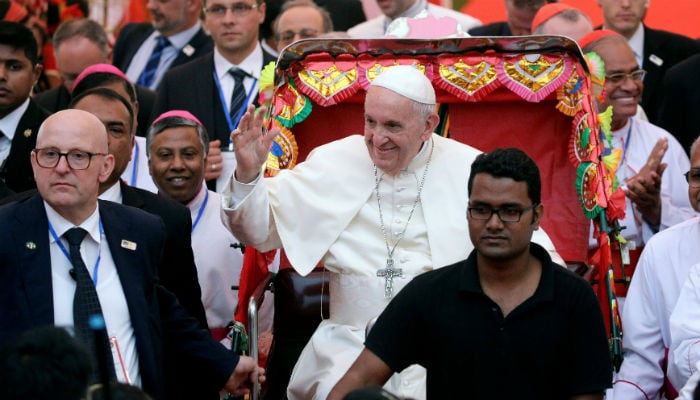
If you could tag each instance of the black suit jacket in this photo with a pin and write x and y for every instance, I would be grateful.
(679, 110)
(493, 29)
(178, 273)
(344, 13)
(16, 170)
(670, 48)
(58, 99)
(191, 87)
(160, 323)
(132, 36)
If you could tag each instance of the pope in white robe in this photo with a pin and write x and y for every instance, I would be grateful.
(347, 206)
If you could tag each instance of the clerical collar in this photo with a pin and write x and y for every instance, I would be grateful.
(114, 193)
(62, 225)
(197, 201)
(8, 124)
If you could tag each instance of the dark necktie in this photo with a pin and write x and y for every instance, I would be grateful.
(149, 72)
(86, 304)
(238, 95)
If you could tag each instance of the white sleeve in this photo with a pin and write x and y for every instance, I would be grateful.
(641, 375)
(245, 211)
(689, 388)
(684, 352)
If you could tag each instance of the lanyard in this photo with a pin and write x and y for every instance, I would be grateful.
(233, 124)
(135, 171)
(201, 210)
(627, 143)
(96, 268)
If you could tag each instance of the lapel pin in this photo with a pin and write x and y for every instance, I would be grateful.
(30, 245)
(27, 133)
(656, 60)
(127, 244)
(188, 50)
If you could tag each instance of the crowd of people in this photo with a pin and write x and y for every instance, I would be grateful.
(131, 181)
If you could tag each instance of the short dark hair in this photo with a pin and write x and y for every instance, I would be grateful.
(172, 122)
(100, 79)
(509, 163)
(107, 94)
(44, 362)
(19, 37)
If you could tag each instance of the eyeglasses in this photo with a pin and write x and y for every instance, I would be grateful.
(77, 159)
(693, 178)
(620, 77)
(504, 214)
(237, 9)
(288, 36)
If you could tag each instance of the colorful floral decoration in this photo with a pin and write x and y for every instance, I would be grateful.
(291, 107)
(468, 78)
(570, 95)
(534, 76)
(597, 68)
(284, 151)
(329, 82)
(326, 78)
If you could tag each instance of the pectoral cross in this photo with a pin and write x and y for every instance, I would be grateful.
(389, 273)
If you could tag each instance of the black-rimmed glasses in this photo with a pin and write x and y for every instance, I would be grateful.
(504, 214)
(77, 159)
(693, 178)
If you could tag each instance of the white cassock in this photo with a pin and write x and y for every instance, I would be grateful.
(638, 137)
(218, 264)
(326, 210)
(661, 271)
(377, 26)
(684, 353)
(136, 173)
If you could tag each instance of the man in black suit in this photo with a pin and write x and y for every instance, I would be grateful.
(656, 50)
(78, 44)
(179, 273)
(20, 116)
(143, 320)
(678, 112)
(519, 15)
(205, 87)
(176, 27)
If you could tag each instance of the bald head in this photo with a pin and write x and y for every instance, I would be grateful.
(70, 161)
(82, 122)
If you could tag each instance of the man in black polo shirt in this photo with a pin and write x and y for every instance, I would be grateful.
(504, 323)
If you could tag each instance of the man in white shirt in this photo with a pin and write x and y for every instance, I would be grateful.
(654, 292)
(392, 9)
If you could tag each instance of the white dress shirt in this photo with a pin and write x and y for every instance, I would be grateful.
(137, 173)
(8, 126)
(178, 43)
(108, 286)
